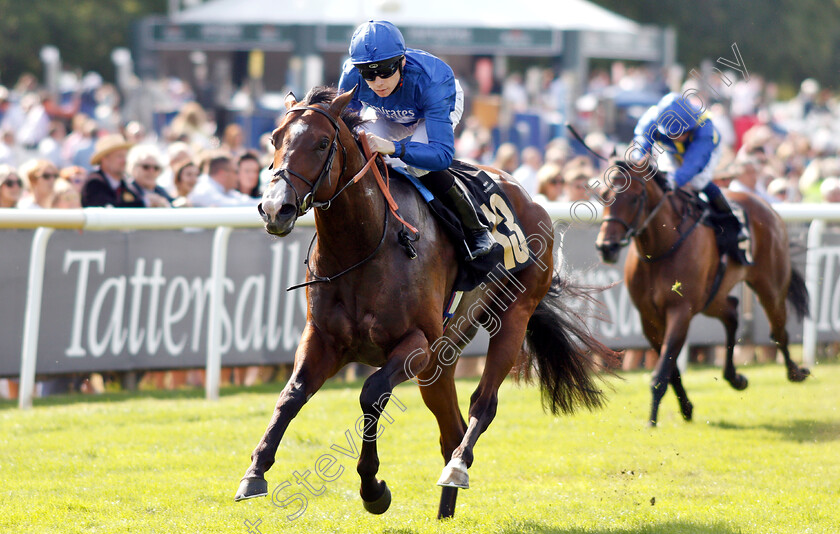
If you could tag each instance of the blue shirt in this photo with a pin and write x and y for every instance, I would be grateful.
(426, 91)
(671, 117)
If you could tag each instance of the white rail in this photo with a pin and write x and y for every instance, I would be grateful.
(225, 219)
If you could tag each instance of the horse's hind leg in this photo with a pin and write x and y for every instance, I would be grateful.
(411, 353)
(686, 408)
(504, 348)
(441, 398)
(312, 367)
(774, 307)
(728, 315)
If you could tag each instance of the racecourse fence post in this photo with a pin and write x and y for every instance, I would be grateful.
(812, 266)
(217, 302)
(32, 317)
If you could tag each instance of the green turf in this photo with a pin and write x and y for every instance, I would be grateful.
(764, 460)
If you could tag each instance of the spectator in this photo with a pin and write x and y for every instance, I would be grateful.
(75, 175)
(11, 186)
(218, 188)
(780, 189)
(830, 189)
(186, 176)
(248, 173)
(106, 185)
(50, 146)
(526, 174)
(144, 166)
(550, 179)
(79, 145)
(177, 152)
(192, 126)
(747, 178)
(41, 175)
(233, 140)
(507, 158)
(65, 196)
(576, 177)
(36, 122)
(9, 151)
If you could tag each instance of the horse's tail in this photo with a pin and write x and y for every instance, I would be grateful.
(564, 351)
(798, 295)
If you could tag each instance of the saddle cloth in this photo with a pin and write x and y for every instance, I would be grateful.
(496, 212)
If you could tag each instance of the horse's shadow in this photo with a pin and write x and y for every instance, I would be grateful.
(798, 430)
(675, 527)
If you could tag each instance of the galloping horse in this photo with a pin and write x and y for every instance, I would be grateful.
(673, 272)
(369, 302)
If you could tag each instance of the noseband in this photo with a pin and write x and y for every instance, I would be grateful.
(309, 201)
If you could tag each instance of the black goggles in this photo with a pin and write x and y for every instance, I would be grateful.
(383, 69)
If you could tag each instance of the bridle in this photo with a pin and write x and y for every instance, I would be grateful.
(635, 228)
(309, 202)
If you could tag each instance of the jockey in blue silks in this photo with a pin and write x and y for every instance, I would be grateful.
(689, 138)
(415, 102)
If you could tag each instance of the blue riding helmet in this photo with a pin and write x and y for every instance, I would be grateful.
(374, 41)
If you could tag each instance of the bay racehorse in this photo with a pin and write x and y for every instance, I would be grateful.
(383, 309)
(673, 271)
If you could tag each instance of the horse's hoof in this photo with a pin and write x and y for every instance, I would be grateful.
(651, 424)
(687, 411)
(455, 475)
(739, 382)
(251, 487)
(798, 374)
(380, 505)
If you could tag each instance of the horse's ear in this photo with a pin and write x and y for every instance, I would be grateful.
(340, 102)
(290, 101)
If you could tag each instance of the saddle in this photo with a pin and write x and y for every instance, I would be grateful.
(496, 212)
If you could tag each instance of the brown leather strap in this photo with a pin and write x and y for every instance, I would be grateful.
(383, 184)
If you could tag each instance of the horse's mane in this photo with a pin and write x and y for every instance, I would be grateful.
(324, 95)
(658, 177)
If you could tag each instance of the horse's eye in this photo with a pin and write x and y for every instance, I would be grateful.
(324, 144)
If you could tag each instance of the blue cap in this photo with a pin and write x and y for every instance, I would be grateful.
(678, 113)
(376, 40)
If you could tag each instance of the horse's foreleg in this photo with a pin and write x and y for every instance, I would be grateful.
(676, 328)
(312, 368)
(409, 356)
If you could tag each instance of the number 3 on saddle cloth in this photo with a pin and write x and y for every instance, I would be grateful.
(496, 212)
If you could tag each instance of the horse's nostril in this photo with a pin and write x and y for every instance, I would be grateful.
(260, 210)
(286, 210)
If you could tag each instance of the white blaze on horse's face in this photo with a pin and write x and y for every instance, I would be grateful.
(297, 129)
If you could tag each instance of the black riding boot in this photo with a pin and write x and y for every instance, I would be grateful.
(479, 239)
(721, 205)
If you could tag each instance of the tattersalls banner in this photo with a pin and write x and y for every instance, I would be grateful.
(140, 300)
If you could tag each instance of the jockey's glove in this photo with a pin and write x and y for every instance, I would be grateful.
(377, 144)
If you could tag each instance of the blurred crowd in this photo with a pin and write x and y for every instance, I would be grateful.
(87, 147)
(785, 150)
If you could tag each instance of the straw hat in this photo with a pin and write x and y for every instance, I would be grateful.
(106, 145)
